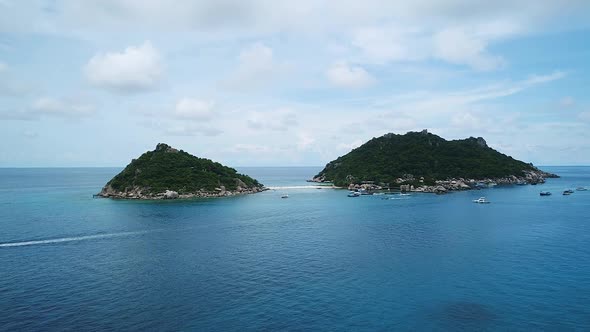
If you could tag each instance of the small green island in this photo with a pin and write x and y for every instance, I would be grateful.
(424, 162)
(168, 173)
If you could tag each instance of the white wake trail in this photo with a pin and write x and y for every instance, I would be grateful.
(70, 239)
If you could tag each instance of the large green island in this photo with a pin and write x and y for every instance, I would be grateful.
(421, 161)
(168, 173)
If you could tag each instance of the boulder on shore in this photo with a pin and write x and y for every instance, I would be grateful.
(170, 194)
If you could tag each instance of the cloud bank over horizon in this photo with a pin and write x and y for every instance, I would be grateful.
(279, 83)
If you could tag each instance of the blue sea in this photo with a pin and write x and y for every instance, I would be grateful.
(318, 260)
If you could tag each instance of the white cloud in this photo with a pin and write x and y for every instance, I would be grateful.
(211, 43)
(61, 108)
(137, 68)
(584, 116)
(537, 79)
(70, 108)
(194, 109)
(257, 68)
(191, 130)
(256, 58)
(465, 111)
(277, 120)
(264, 16)
(459, 46)
(189, 117)
(468, 120)
(454, 100)
(305, 141)
(344, 75)
(381, 44)
(347, 147)
(160, 15)
(248, 20)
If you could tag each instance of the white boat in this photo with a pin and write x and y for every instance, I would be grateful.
(285, 196)
(481, 200)
(581, 189)
(354, 194)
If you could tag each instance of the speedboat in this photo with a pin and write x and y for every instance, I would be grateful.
(545, 193)
(354, 194)
(581, 189)
(481, 200)
(568, 192)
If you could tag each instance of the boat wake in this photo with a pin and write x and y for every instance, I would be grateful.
(70, 239)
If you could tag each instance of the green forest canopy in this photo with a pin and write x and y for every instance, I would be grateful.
(422, 154)
(166, 168)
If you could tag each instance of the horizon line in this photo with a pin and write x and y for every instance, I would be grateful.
(287, 166)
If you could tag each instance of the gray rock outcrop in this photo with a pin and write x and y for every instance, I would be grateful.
(170, 194)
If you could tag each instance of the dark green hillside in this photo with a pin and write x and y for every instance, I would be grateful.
(166, 168)
(422, 154)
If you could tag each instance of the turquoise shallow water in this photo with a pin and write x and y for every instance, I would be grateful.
(316, 261)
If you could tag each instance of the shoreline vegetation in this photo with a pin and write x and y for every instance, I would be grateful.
(414, 162)
(168, 173)
(423, 162)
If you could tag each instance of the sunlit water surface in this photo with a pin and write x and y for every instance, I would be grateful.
(315, 261)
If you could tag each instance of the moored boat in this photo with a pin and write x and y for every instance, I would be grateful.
(568, 192)
(354, 194)
(581, 189)
(545, 193)
(481, 200)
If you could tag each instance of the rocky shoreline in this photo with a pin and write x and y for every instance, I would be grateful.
(141, 193)
(410, 184)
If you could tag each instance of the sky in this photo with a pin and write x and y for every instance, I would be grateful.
(289, 83)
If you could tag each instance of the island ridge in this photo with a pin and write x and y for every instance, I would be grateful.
(421, 161)
(168, 173)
